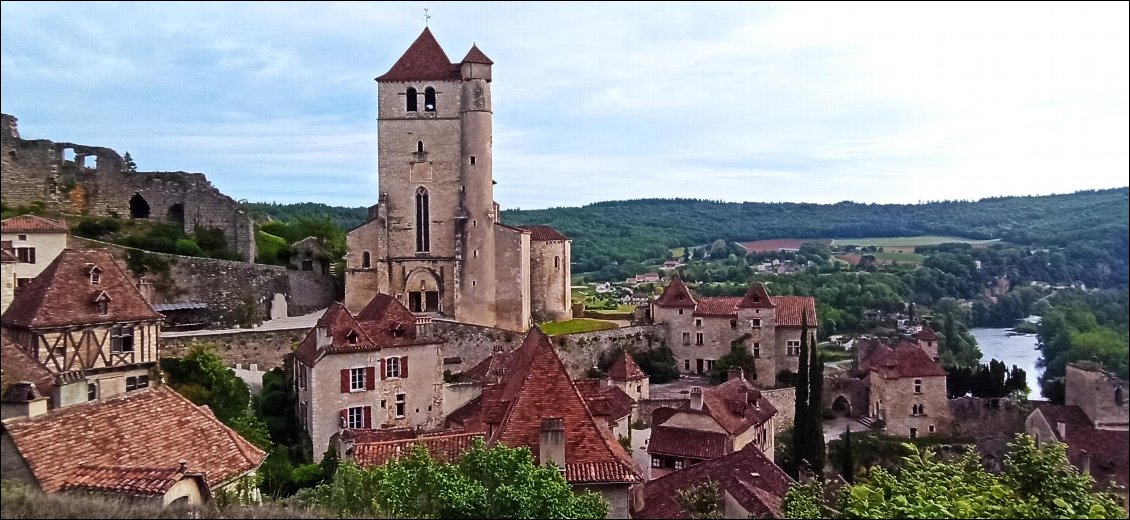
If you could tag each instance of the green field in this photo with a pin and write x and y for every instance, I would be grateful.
(575, 325)
(620, 309)
(902, 258)
(678, 252)
(927, 240)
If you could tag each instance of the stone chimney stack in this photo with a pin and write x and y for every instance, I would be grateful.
(22, 400)
(551, 442)
(696, 398)
(1061, 427)
(734, 373)
(1084, 461)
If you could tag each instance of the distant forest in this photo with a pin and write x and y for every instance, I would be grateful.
(1092, 223)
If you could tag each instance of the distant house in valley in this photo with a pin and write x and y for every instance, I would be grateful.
(34, 242)
(905, 383)
(84, 320)
(716, 421)
(152, 445)
(750, 485)
(310, 255)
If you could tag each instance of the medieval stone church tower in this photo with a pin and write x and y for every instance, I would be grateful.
(434, 240)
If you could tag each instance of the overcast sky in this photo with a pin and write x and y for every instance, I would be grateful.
(807, 102)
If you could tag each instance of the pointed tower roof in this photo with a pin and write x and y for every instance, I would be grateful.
(756, 298)
(424, 60)
(476, 56)
(927, 333)
(625, 369)
(676, 294)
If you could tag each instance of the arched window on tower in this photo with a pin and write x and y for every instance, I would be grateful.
(423, 241)
(429, 99)
(410, 99)
(366, 260)
(419, 147)
(556, 262)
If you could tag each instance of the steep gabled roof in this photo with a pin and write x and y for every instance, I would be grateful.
(736, 405)
(538, 387)
(791, 308)
(490, 370)
(31, 224)
(603, 399)
(387, 321)
(476, 56)
(424, 60)
(927, 333)
(905, 360)
(676, 294)
(1108, 450)
(754, 481)
(345, 335)
(63, 295)
(756, 298)
(16, 365)
(543, 233)
(625, 369)
(152, 428)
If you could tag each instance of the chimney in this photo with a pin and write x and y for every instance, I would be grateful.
(22, 400)
(322, 336)
(1061, 427)
(551, 442)
(696, 398)
(1084, 461)
(423, 327)
(183, 466)
(734, 373)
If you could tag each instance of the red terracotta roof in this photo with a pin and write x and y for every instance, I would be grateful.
(625, 369)
(130, 480)
(490, 370)
(756, 298)
(383, 323)
(16, 365)
(736, 405)
(538, 387)
(543, 233)
(927, 333)
(1109, 450)
(717, 306)
(685, 442)
(446, 448)
(751, 478)
(905, 360)
(476, 56)
(155, 427)
(31, 224)
(63, 295)
(387, 321)
(424, 60)
(676, 294)
(469, 416)
(604, 399)
(790, 309)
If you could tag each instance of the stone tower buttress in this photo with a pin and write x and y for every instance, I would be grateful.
(477, 279)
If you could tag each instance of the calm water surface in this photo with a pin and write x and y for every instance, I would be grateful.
(1013, 349)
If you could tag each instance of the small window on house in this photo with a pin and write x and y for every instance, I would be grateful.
(366, 260)
(410, 99)
(91, 391)
(103, 307)
(356, 418)
(131, 383)
(475, 253)
(21, 237)
(557, 262)
(678, 464)
(757, 350)
(755, 323)
(307, 265)
(698, 338)
(351, 337)
(687, 365)
(792, 347)
(121, 340)
(680, 312)
(356, 379)
(473, 283)
(733, 324)
(932, 430)
(95, 276)
(918, 386)
(472, 160)
(419, 147)
(143, 381)
(22, 282)
(392, 367)
(656, 463)
(429, 99)
(698, 322)
(400, 398)
(914, 433)
(25, 254)
(686, 338)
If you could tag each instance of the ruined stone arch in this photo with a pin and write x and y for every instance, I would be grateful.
(424, 287)
(175, 213)
(841, 405)
(138, 206)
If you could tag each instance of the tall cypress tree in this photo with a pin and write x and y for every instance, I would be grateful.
(815, 423)
(801, 415)
(848, 461)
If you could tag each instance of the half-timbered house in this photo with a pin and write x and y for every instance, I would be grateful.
(83, 314)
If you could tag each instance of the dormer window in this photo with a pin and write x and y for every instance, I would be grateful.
(396, 330)
(102, 303)
(351, 337)
(95, 275)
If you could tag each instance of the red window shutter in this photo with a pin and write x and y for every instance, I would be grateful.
(403, 366)
(384, 373)
(368, 417)
(345, 380)
(344, 418)
(370, 378)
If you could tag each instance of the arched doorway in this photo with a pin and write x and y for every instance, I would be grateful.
(138, 207)
(423, 288)
(176, 213)
(841, 406)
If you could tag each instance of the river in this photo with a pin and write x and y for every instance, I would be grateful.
(1013, 349)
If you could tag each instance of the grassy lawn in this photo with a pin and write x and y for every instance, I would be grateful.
(575, 325)
(678, 252)
(903, 258)
(927, 240)
(619, 309)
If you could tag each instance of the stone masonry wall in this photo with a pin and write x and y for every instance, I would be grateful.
(74, 178)
(264, 348)
(236, 292)
(978, 417)
(784, 400)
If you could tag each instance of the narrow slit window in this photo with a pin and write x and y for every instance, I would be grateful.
(423, 240)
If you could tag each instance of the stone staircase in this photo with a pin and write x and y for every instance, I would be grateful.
(869, 422)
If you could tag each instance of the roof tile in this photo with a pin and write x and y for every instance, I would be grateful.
(31, 224)
(753, 480)
(543, 233)
(905, 360)
(685, 442)
(625, 369)
(676, 294)
(424, 60)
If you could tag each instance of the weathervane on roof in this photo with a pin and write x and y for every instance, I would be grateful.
(426, 17)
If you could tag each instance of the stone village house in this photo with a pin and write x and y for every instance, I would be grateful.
(905, 385)
(31, 242)
(700, 330)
